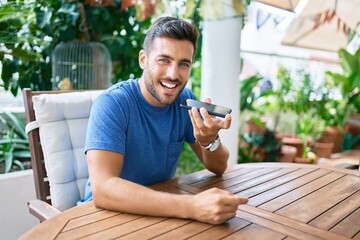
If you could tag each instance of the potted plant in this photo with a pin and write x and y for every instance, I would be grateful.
(259, 144)
(294, 97)
(348, 83)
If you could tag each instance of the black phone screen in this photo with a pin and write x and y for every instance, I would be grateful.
(213, 109)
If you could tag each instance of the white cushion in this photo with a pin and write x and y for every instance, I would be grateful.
(62, 120)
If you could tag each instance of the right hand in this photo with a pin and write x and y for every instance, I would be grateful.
(215, 206)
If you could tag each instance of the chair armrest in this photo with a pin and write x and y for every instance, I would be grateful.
(42, 210)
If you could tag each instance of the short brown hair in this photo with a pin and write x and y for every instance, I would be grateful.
(173, 28)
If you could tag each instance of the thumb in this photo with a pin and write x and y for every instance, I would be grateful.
(207, 100)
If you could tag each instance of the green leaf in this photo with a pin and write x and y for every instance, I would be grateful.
(43, 17)
(5, 141)
(18, 124)
(8, 161)
(354, 80)
(337, 78)
(71, 11)
(19, 164)
(22, 154)
(14, 87)
(348, 62)
(28, 55)
(13, 10)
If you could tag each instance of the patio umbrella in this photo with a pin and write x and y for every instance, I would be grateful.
(324, 25)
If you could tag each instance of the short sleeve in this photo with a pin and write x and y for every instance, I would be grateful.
(107, 125)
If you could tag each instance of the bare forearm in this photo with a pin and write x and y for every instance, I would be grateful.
(212, 206)
(121, 195)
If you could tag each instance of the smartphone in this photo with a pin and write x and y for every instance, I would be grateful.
(212, 109)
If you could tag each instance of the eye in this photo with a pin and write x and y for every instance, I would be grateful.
(185, 64)
(164, 60)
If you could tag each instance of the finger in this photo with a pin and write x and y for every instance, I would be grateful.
(220, 191)
(243, 200)
(207, 100)
(233, 200)
(197, 119)
(192, 118)
(208, 119)
(224, 217)
(227, 122)
(228, 209)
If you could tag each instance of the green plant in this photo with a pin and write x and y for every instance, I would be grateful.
(188, 162)
(348, 81)
(298, 95)
(14, 143)
(247, 94)
(31, 29)
(261, 145)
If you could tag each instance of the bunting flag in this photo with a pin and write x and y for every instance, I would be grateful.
(126, 4)
(149, 8)
(261, 18)
(326, 17)
(144, 8)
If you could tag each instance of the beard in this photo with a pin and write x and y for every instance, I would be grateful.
(165, 99)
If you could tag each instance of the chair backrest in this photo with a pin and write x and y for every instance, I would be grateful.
(57, 123)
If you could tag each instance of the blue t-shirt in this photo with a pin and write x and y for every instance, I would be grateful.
(150, 138)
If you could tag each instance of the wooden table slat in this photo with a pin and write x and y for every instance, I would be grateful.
(97, 226)
(126, 228)
(350, 226)
(308, 208)
(228, 178)
(330, 218)
(272, 183)
(186, 231)
(248, 176)
(257, 232)
(84, 220)
(249, 183)
(287, 226)
(357, 236)
(157, 229)
(201, 175)
(223, 230)
(300, 192)
(287, 187)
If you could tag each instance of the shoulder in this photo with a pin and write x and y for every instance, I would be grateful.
(119, 91)
(118, 97)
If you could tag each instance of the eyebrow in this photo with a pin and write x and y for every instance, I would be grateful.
(182, 60)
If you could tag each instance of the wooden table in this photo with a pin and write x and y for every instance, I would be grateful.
(286, 201)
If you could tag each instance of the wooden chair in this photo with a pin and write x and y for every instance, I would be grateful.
(57, 120)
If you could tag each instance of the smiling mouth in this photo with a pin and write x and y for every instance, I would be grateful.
(168, 85)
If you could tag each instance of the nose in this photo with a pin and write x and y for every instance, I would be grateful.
(173, 71)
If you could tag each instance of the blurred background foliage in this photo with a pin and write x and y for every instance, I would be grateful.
(30, 30)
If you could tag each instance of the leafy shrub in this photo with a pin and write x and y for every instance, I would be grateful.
(14, 142)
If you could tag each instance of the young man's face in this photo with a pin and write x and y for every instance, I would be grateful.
(166, 70)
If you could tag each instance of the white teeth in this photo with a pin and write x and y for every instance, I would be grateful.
(168, 85)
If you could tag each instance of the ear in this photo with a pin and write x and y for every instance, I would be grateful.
(142, 59)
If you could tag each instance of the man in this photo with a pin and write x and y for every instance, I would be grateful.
(137, 129)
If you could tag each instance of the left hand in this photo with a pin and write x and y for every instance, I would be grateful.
(206, 130)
